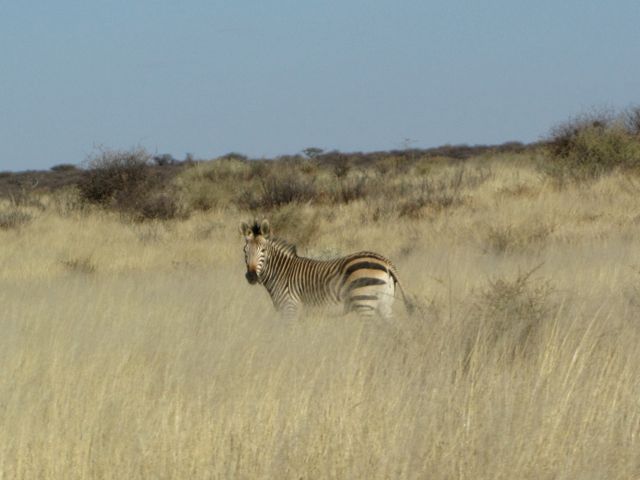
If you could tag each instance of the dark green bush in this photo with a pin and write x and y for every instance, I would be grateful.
(63, 167)
(116, 178)
(124, 181)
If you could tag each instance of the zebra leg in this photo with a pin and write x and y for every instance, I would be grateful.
(386, 297)
(385, 310)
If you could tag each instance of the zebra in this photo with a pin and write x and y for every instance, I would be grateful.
(364, 282)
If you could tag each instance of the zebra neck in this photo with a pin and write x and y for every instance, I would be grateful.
(281, 258)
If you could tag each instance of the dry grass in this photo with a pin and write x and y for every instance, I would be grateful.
(135, 350)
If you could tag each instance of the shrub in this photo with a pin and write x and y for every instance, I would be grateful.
(435, 195)
(508, 313)
(351, 189)
(64, 167)
(160, 206)
(590, 146)
(295, 224)
(116, 178)
(631, 118)
(124, 181)
(235, 156)
(500, 239)
(67, 201)
(279, 187)
(79, 265)
(164, 160)
(312, 152)
(336, 162)
(214, 183)
(283, 189)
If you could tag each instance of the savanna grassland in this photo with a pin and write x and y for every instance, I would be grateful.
(131, 345)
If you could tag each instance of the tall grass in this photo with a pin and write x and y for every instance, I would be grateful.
(137, 350)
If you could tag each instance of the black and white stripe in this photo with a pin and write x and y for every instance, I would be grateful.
(363, 282)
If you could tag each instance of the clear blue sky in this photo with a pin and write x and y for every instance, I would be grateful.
(265, 78)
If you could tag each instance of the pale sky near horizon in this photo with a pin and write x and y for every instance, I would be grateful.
(269, 78)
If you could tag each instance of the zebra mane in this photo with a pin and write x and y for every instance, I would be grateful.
(284, 247)
(255, 228)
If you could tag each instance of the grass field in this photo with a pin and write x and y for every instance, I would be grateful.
(138, 350)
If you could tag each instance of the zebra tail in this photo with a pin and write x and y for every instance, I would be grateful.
(408, 304)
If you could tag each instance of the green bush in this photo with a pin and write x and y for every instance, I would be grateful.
(592, 145)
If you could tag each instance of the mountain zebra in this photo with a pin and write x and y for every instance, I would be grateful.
(364, 282)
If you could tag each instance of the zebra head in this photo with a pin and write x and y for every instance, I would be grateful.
(256, 237)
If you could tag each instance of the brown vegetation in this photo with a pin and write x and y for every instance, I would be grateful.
(136, 349)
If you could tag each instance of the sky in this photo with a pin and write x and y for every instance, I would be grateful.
(265, 78)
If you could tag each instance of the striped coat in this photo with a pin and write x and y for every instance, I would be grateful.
(363, 282)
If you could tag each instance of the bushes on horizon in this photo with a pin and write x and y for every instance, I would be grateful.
(277, 188)
(591, 145)
(115, 177)
(63, 167)
(206, 185)
(122, 180)
(631, 119)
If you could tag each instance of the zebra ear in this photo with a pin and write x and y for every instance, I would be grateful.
(265, 229)
(245, 229)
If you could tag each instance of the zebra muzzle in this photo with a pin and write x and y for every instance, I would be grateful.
(252, 277)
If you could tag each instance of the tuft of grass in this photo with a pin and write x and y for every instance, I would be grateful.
(444, 192)
(509, 312)
(351, 188)
(82, 265)
(502, 239)
(213, 184)
(299, 225)
(14, 219)
(67, 201)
